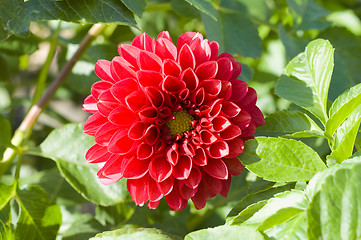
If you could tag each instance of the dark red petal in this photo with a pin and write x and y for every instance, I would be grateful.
(183, 168)
(122, 116)
(102, 70)
(205, 123)
(200, 157)
(226, 90)
(154, 191)
(218, 149)
(186, 58)
(225, 69)
(225, 186)
(129, 53)
(160, 169)
(149, 78)
(121, 69)
(96, 154)
(234, 166)
(121, 143)
(151, 135)
(257, 116)
(105, 133)
(93, 123)
(144, 42)
(133, 168)
(175, 201)
(207, 137)
(201, 197)
(237, 68)
(249, 131)
(172, 156)
(153, 205)
(166, 186)
(165, 49)
(211, 87)
(187, 192)
(239, 90)
(107, 103)
(214, 185)
(187, 148)
(164, 112)
(190, 78)
(236, 147)
(230, 133)
(215, 108)
(207, 70)
(149, 61)
(242, 120)
(136, 100)
(230, 109)
(144, 151)
(138, 189)
(99, 87)
(148, 114)
(123, 88)
(194, 178)
(216, 168)
(171, 67)
(137, 130)
(155, 96)
(198, 97)
(220, 123)
(214, 46)
(173, 84)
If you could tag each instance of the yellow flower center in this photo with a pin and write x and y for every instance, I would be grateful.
(180, 124)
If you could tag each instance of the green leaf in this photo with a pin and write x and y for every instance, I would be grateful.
(5, 131)
(292, 124)
(16, 15)
(342, 107)
(82, 226)
(241, 38)
(115, 215)
(135, 233)
(292, 45)
(136, 6)
(39, 218)
(19, 46)
(225, 232)
(6, 232)
(4, 71)
(67, 146)
(280, 159)
(335, 210)
(7, 192)
(307, 78)
(345, 136)
(205, 6)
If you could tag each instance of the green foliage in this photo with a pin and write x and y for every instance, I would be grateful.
(135, 233)
(225, 232)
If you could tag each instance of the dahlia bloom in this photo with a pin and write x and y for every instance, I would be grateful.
(170, 119)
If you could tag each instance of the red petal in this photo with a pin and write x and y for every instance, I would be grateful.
(230, 109)
(186, 58)
(226, 90)
(136, 131)
(225, 187)
(231, 132)
(133, 168)
(216, 168)
(173, 84)
(236, 147)
(187, 192)
(218, 149)
(257, 116)
(93, 123)
(220, 123)
(242, 120)
(102, 70)
(97, 154)
(99, 87)
(164, 34)
(239, 89)
(129, 53)
(194, 178)
(198, 97)
(155, 96)
(144, 42)
(175, 201)
(201, 197)
(151, 134)
(149, 61)
(153, 205)
(234, 166)
(149, 78)
(183, 168)
(172, 156)
(215, 108)
(165, 49)
(138, 189)
(90, 104)
(187, 38)
(121, 143)
(144, 151)
(122, 116)
(225, 69)
(160, 169)
(121, 69)
(211, 87)
(237, 68)
(190, 78)
(154, 191)
(105, 133)
(166, 186)
(171, 67)
(207, 70)
(123, 88)
(111, 168)
(201, 50)
(136, 100)
(214, 185)
(207, 137)
(214, 46)
(200, 157)
(148, 114)
(107, 103)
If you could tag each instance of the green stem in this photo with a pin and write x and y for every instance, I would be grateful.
(31, 117)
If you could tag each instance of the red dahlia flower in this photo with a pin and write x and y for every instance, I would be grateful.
(170, 119)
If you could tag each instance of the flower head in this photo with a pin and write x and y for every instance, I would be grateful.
(170, 119)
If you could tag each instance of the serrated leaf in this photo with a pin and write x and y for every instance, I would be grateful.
(292, 124)
(16, 15)
(135, 233)
(345, 136)
(280, 159)
(67, 146)
(40, 218)
(307, 78)
(241, 38)
(205, 6)
(335, 209)
(136, 6)
(225, 232)
(342, 107)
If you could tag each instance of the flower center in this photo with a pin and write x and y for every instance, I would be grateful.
(180, 124)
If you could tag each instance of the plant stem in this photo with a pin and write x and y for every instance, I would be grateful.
(31, 117)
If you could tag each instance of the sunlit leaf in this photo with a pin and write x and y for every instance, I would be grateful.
(135, 233)
(225, 232)
(82, 226)
(7, 192)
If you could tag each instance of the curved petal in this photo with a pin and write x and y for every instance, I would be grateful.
(218, 149)
(107, 103)
(220, 123)
(144, 151)
(190, 78)
(239, 90)
(173, 84)
(102, 70)
(207, 137)
(149, 61)
(123, 88)
(207, 70)
(144, 42)
(175, 201)
(234, 166)
(225, 69)
(129, 53)
(93, 123)
(165, 49)
(133, 168)
(194, 178)
(155, 96)
(236, 147)
(166, 186)
(160, 169)
(105, 133)
(186, 58)
(148, 114)
(172, 156)
(187, 192)
(229, 109)
(154, 191)
(200, 157)
(138, 189)
(122, 116)
(136, 100)
(216, 168)
(230, 133)
(99, 87)
(183, 167)
(121, 69)
(97, 154)
(171, 67)
(120, 143)
(151, 135)
(149, 78)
